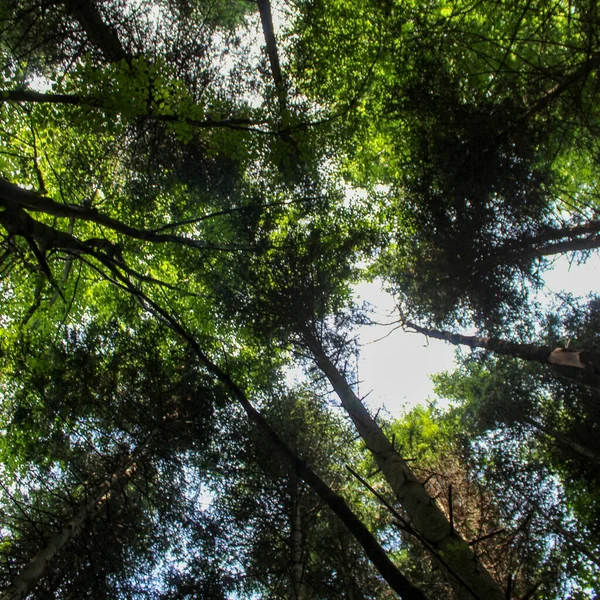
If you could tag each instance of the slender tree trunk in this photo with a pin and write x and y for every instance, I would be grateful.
(376, 554)
(296, 541)
(468, 577)
(563, 440)
(397, 581)
(27, 580)
(584, 360)
(266, 18)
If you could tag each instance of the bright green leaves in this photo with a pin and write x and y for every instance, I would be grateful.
(137, 88)
(480, 119)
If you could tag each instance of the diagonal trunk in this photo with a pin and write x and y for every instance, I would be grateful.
(376, 554)
(552, 234)
(98, 32)
(468, 577)
(585, 360)
(563, 440)
(567, 82)
(27, 580)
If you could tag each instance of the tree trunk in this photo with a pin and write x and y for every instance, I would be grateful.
(27, 580)
(98, 32)
(564, 440)
(266, 18)
(298, 586)
(376, 554)
(585, 360)
(468, 577)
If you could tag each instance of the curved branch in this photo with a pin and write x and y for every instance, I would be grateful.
(12, 195)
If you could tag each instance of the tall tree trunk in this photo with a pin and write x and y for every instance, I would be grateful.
(27, 580)
(266, 18)
(98, 32)
(376, 554)
(585, 360)
(468, 577)
(298, 585)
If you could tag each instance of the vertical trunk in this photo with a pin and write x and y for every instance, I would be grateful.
(468, 577)
(24, 583)
(585, 360)
(266, 18)
(296, 541)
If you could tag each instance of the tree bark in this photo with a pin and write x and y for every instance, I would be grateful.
(298, 585)
(98, 32)
(266, 18)
(38, 566)
(376, 554)
(585, 360)
(468, 577)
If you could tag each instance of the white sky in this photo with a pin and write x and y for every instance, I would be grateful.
(396, 369)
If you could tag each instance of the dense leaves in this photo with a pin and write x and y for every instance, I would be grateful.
(189, 190)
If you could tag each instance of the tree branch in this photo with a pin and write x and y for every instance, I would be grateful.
(12, 195)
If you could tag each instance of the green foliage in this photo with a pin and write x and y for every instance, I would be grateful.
(534, 433)
(166, 195)
(469, 115)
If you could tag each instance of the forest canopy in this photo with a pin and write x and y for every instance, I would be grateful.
(190, 192)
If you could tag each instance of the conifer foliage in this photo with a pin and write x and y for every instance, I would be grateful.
(189, 191)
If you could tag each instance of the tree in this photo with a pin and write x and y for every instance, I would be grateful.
(533, 432)
(181, 223)
(564, 358)
(507, 545)
(285, 537)
(470, 115)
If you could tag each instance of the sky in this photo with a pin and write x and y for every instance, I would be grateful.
(395, 366)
